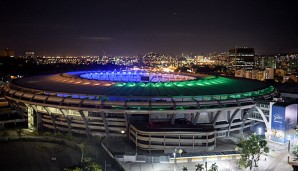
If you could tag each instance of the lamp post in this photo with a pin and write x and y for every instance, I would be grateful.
(175, 158)
(289, 145)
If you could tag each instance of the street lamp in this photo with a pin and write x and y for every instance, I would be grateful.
(175, 158)
(289, 144)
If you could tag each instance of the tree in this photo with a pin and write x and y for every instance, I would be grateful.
(294, 151)
(184, 168)
(251, 150)
(214, 167)
(86, 165)
(74, 169)
(199, 167)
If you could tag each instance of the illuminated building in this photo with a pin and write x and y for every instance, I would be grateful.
(156, 111)
(265, 61)
(269, 73)
(7, 53)
(242, 58)
(29, 54)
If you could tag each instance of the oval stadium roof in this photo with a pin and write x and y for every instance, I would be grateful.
(212, 85)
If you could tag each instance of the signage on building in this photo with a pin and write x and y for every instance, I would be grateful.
(278, 118)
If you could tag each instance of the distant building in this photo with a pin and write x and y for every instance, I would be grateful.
(29, 54)
(257, 74)
(266, 74)
(290, 77)
(265, 61)
(240, 73)
(293, 63)
(7, 53)
(242, 58)
(250, 74)
(280, 72)
(269, 73)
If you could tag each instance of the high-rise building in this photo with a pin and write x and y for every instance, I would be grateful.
(242, 58)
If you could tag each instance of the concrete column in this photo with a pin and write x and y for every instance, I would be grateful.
(245, 116)
(54, 122)
(38, 118)
(30, 117)
(195, 120)
(267, 124)
(136, 141)
(173, 119)
(164, 142)
(68, 120)
(193, 143)
(105, 122)
(231, 120)
(228, 115)
(149, 143)
(216, 117)
(242, 118)
(210, 116)
(126, 121)
(207, 140)
(85, 122)
(150, 104)
(53, 118)
(179, 140)
(149, 118)
(242, 114)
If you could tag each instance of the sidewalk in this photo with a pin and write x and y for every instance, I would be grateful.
(276, 160)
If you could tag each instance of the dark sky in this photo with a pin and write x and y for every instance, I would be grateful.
(129, 27)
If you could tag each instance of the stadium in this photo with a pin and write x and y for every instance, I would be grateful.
(155, 111)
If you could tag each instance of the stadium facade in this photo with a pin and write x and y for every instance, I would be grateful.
(156, 111)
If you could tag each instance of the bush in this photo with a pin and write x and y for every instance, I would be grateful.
(294, 151)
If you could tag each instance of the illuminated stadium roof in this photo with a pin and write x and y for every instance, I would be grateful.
(142, 84)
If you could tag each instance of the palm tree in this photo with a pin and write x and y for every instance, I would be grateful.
(199, 167)
(184, 168)
(214, 167)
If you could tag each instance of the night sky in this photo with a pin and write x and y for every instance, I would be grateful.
(129, 27)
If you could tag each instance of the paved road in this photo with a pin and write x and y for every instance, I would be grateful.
(31, 156)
